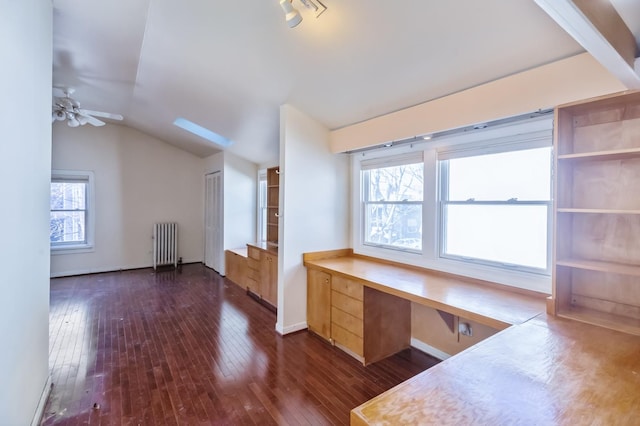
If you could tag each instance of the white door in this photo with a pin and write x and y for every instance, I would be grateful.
(213, 246)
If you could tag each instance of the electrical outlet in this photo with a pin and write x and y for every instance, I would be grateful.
(464, 328)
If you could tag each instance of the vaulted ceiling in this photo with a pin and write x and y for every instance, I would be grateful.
(229, 65)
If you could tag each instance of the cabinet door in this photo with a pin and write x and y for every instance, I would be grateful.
(272, 283)
(319, 303)
(268, 278)
(236, 268)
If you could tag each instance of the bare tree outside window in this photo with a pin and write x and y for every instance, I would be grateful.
(393, 206)
(68, 213)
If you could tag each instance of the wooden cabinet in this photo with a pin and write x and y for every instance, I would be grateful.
(273, 200)
(253, 270)
(236, 266)
(262, 273)
(269, 277)
(367, 324)
(319, 303)
(597, 212)
(347, 315)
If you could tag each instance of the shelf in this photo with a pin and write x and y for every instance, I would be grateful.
(597, 211)
(617, 154)
(601, 319)
(595, 265)
(273, 205)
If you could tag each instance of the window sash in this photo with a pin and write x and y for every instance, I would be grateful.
(413, 157)
(444, 202)
(367, 166)
(83, 215)
(524, 142)
(444, 242)
(262, 206)
(407, 241)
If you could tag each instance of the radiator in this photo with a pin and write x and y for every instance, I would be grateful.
(165, 244)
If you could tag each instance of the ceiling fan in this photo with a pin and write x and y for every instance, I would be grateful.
(66, 108)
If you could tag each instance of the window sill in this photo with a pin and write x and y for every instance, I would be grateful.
(72, 249)
(512, 278)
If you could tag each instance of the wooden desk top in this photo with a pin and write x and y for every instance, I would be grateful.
(242, 251)
(485, 303)
(265, 247)
(547, 371)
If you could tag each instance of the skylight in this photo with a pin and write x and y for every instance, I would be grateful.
(204, 133)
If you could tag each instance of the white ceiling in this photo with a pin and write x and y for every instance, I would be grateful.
(229, 65)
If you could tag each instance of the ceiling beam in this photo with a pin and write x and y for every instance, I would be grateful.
(598, 27)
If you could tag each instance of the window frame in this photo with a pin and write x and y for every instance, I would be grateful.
(89, 244)
(261, 207)
(483, 140)
(443, 169)
(380, 163)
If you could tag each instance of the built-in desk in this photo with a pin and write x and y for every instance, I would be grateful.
(484, 302)
(547, 371)
(538, 370)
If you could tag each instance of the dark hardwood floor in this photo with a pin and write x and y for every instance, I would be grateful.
(190, 347)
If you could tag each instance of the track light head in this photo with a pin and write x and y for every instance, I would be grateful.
(292, 16)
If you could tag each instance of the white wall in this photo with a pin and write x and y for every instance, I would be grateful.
(314, 200)
(567, 80)
(239, 178)
(139, 180)
(240, 201)
(25, 161)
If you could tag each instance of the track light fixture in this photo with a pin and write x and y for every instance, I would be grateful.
(293, 16)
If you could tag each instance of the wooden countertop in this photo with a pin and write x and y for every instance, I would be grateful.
(484, 302)
(242, 251)
(547, 371)
(265, 247)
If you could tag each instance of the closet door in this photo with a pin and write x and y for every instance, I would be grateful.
(213, 248)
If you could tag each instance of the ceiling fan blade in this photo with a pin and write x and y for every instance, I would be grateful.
(59, 92)
(91, 120)
(101, 114)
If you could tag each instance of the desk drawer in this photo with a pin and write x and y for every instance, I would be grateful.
(347, 339)
(253, 274)
(348, 287)
(253, 263)
(347, 304)
(348, 322)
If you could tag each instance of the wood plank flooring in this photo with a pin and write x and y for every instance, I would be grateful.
(189, 347)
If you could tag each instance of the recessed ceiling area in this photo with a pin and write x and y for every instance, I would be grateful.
(228, 66)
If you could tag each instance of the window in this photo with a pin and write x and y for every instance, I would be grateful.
(495, 208)
(262, 206)
(474, 203)
(71, 218)
(392, 205)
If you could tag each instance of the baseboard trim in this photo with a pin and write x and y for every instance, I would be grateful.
(37, 417)
(291, 328)
(429, 350)
(105, 269)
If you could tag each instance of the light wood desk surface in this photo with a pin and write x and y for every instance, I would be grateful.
(547, 371)
(542, 370)
(486, 303)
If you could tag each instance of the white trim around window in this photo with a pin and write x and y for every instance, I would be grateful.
(521, 135)
(88, 211)
(261, 211)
